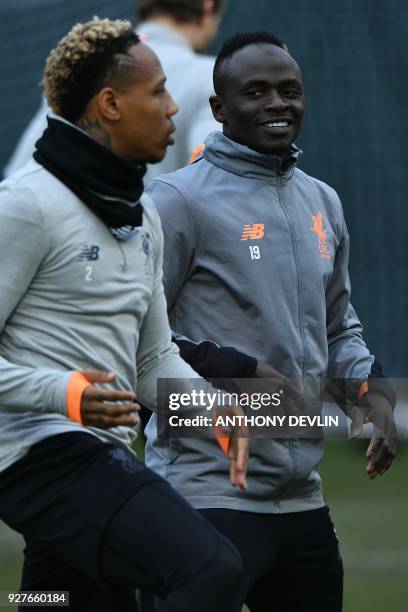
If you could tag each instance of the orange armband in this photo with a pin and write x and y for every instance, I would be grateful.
(76, 386)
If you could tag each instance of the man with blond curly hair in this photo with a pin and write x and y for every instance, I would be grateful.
(178, 31)
(83, 325)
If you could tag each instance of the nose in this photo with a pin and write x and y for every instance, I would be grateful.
(276, 102)
(171, 106)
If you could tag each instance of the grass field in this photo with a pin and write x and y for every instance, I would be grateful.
(370, 517)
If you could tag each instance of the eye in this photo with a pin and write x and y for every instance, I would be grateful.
(291, 92)
(254, 93)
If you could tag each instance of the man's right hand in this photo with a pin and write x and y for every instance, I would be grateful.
(106, 408)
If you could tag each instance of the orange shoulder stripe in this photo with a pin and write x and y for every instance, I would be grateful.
(196, 153)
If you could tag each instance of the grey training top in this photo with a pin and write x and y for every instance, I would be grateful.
(73, 297)
(256, 257)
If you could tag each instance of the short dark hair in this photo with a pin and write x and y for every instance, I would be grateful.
(237, 42)
(181, 10)
(90, 56)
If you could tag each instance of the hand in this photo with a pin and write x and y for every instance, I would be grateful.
(238, 454)
(238, 443)
(104, 408)
(383, 445)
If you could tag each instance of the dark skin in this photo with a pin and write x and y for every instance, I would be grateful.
(133, 115)
(96, 131)
(106, 408)
(260, 104)
(383, 444)
(261, 88)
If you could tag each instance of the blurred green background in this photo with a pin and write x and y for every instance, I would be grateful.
(370, 518)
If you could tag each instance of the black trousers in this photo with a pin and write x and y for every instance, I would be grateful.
(291, 561)
(99, 524)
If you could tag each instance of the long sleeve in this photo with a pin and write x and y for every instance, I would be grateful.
(348, 355)
(157, 356)
(213, 361)
(350, 361)
(179, 237)
(23, 245)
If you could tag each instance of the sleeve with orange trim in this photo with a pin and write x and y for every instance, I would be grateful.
(378, 383)
(75, 388)
(349, 359)
(24, 388)
(354, 391)
(223, 441)
(352, 370)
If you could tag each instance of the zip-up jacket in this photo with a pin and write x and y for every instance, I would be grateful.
(256, 257)
(72, 297)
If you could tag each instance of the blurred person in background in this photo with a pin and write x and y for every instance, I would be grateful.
(178, 31)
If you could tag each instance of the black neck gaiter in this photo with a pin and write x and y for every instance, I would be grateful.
(110, 186)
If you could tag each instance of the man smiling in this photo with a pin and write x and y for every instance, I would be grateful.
(240, 106)
(256, 256)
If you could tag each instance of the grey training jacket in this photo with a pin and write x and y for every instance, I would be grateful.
(73, 297)
(256, 257)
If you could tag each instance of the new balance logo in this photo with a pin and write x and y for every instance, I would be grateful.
(89, 253)
(253, 232)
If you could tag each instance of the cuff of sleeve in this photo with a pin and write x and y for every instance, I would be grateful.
(223, 441)
(231, 363)
(362, 390)
(380, 385)
(246, 366)
(76, 386)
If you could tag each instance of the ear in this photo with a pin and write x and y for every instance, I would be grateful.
(107, 100)
(217, 108)
(208, 7)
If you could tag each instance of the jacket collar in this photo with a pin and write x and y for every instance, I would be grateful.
(239, 159)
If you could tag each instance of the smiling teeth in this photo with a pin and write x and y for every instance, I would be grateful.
(277, 124)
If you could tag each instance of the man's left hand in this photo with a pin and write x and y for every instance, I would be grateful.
(383, 445)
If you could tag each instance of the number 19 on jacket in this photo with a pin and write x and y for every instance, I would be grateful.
(255, 252)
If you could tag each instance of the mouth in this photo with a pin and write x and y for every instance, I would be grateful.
(277, 124)
(170, 138)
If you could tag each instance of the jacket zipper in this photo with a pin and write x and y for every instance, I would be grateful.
(300, 297)
(124, 264)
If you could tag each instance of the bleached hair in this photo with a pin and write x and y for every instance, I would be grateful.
(89, 57)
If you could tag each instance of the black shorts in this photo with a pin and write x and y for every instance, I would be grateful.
(68, 473)
(99, 524)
